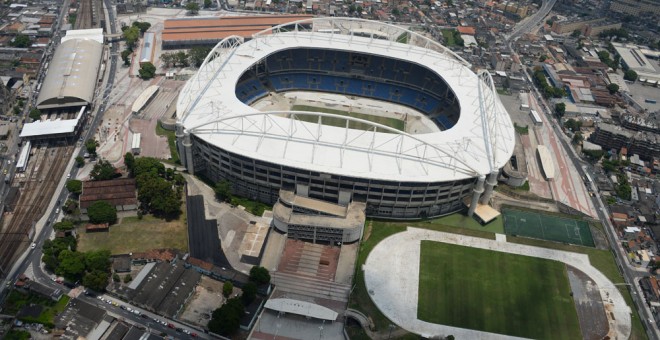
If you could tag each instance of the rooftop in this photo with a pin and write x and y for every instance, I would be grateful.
(209, 97)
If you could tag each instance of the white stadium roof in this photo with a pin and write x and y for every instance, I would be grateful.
(481, 142)
(304, 308)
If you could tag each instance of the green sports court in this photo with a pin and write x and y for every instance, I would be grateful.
(547, 227)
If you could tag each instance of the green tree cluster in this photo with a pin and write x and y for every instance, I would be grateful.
(223, 191)
(102, 212)
(131, 35)
(126, 56)
(630, 75)
(91, 145)
(141, 26)
(226, 319)
(92, 268)
(623, 189)
(573, 125)
(604, 57)
(548, 91)
(64, 225)
(147, 70)
(560, 109)
(80, 161)
(613, 88)
(227, 288)
(74, 186)
(180, 58)
(192, 7)
(259, 275)
(103, 171)
(21, 41)
(35, 114)
(620, 33)
(159, 190)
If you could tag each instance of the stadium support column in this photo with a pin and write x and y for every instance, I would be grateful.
(490, 185)
(478, 189)
(184, 146)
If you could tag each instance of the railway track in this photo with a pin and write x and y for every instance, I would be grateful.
(85, 18)
(37, 191)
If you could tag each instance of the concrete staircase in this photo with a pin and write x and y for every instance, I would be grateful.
(308, 286)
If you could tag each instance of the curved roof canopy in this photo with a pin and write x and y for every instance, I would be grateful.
(73, 71)
(304, 308)
(481, 142)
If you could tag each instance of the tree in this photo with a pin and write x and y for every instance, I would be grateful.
(21, 41)
(181, 58)
(91, 145)
(259, 275)
(131, 34)
(103, 171)
(80, 161)
(249, 293)
(573, 125)
(142, 26)
(560, 109)
(96, 280)
(64, 225)
(102, 212)
(630, 75)
(227, 289)
(543, 58)
(198, 54)
(126, 56)
(71, 265)
(396, 12)
(129, 161)
(613, 88)
(128, 278)
(98, 260)
(74, 186)
(208, 3)
(576, 34)
(192, 7)
(577, 138)
(223, 190)
(35, 114)
(147, 70)
(226, 319)
(70, 206)
(115, 277)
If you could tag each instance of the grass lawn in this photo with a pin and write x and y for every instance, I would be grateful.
(135, 235)
(378, 231)
(360, 300)
(387, 121)
(603, 260)
(449, 37)
(495, 293)
(171, 141)
(16, 300)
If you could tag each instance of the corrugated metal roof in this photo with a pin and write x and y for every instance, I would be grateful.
(218, 28)
(71, 77)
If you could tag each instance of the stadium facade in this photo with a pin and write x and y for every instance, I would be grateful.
(398, 175)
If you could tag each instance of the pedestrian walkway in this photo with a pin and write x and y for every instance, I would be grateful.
(391, 275)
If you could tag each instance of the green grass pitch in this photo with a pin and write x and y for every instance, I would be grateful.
(495, 292)
(387, 121)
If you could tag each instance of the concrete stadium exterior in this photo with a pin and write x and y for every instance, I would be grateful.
(399, 175)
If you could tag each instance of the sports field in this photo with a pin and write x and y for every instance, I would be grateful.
(387, 121)
(547, 227)
(495, 292)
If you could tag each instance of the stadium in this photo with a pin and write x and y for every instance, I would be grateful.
(444, 154)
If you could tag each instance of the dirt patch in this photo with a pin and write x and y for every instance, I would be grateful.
(600, 240)
(206, 298)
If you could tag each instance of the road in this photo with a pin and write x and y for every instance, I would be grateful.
(526, 25)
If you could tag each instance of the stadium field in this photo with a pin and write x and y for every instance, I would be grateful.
(495, 292)
(387, 121)
(547, 227)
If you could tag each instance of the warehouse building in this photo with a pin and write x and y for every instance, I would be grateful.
(191, 32)
(73, 71)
